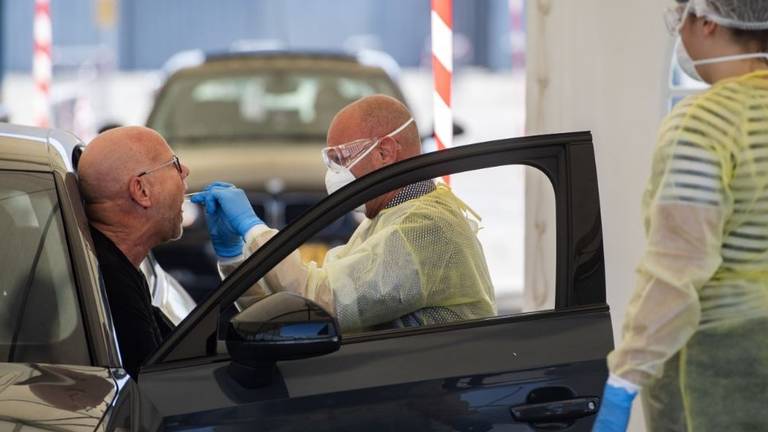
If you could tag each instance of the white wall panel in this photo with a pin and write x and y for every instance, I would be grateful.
(601, 66)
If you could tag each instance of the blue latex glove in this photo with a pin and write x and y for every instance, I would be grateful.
(614, 409)
(226, 241)
(231, 203)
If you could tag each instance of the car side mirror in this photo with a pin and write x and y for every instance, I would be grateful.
(76, 153)
(282, 326)
(458, 129)
(107, 126)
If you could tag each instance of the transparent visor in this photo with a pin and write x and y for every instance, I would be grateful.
(348, 154)
(674, 16)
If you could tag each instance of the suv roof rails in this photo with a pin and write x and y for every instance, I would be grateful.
(329, 54)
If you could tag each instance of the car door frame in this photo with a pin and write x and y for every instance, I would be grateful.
(97, 321)
(566, 159)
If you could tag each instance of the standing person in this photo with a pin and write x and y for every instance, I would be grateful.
(414, 260)
(694, 336)
(133, 187)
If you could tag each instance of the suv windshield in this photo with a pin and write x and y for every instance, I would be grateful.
(262, 104)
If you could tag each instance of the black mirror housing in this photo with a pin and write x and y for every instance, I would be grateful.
(458, 129)
(282, 326)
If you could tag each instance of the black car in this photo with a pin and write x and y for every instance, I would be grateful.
(282, 364)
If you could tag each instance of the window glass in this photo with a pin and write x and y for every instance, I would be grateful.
(434, 254)
(38, 299)
(264, 104)
(517, 205)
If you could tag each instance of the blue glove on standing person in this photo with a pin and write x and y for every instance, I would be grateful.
(229, 216)
(615, 408)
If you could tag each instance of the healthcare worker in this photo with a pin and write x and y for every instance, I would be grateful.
(695, 332)
(414, 260)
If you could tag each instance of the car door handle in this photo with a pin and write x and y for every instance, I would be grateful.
(562, 410)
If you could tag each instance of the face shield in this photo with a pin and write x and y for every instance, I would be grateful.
(675, 15)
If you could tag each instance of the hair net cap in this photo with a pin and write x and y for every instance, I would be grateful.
(739, 14)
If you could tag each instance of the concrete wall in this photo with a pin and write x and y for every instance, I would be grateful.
(602, 66)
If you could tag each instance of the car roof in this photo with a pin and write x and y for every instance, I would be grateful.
(281, 53)
(363, 59)
(30, 148)
(277, 59)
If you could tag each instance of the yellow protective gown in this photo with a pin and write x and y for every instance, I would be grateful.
(694, 334)
(416, 263)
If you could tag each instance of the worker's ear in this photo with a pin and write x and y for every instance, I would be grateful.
(709, 27)
(140, 191)
(388, 150)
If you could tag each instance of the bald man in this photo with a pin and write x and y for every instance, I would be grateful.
(414, 260)
(133, 187)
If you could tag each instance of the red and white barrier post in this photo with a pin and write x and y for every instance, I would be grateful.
(41, 63)
(442, 70)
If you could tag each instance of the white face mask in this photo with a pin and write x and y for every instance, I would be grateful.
(688, 65)
(685, 62)
(337, 180)
(342, 176)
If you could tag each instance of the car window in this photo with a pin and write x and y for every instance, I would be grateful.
(268, 104)
(435, 254)
(38, 304)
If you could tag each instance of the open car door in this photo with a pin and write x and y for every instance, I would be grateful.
(522, 370)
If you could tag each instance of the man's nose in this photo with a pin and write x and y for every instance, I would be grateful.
(184, 171)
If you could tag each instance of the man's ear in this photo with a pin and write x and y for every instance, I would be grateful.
(388, 150)
(139, 191)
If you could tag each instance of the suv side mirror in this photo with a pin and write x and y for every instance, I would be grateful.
(458, 129)
(282, 326)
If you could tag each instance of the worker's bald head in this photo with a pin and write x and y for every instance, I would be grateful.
(374, 116)
(113, 157)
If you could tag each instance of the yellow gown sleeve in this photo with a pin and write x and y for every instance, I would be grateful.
(686, 206)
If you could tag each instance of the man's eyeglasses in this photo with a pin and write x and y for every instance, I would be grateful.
(174, 161)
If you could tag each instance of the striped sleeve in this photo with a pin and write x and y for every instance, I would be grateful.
(693, 161)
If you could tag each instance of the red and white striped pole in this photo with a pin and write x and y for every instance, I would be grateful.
(442, 70)
(41, 63)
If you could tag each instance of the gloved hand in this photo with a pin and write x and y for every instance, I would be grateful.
(229, 216)
(615, 408)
